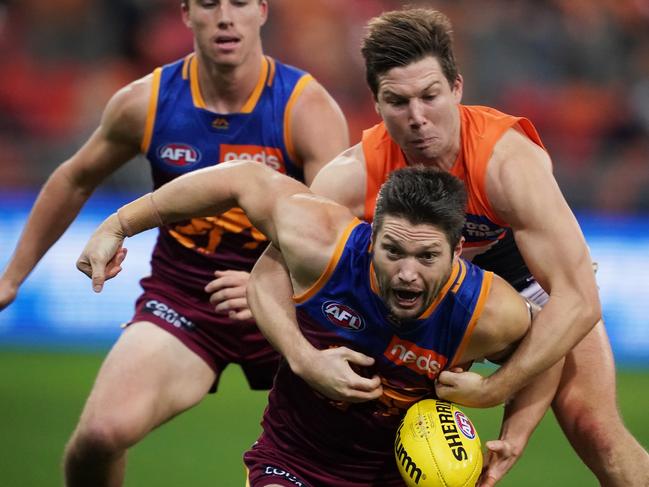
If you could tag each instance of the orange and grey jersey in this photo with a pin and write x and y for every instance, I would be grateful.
(488, 239)
(182, 135)
(344, 309)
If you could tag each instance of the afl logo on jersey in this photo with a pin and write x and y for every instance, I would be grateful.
(343, 316)
(179, 155)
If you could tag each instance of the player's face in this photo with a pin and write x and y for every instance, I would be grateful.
(419, 108)
(226, 31)
(411, 263)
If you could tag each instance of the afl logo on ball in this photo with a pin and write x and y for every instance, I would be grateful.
(464, 425)
(180, 155)
(343, 316)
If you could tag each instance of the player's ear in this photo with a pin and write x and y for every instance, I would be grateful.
(263, 7)
(457, 88)
(184, 11)
(457, 251)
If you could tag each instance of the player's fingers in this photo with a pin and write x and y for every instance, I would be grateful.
(98, 276)
(238, 277)
(227, 294)
(231, 305)
(120, 256)
(498, 446)
(217, 284)
(242, 315)
(447, 378)
(363, 396)
(356, 358)
(487, 481)
(364, 384)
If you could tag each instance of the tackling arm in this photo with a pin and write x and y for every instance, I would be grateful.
(505, 321)
(524, 193)
(327, 371)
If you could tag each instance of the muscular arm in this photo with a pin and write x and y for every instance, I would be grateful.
(270, 292)
(524, 193)
(305, 227)
(113, 143)
(318, 129)
(505, 321)
(327, 371)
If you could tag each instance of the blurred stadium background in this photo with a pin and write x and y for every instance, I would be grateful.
(579, 69)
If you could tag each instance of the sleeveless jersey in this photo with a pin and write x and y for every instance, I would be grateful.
(487, 237)
(182, 135)
(344, 309)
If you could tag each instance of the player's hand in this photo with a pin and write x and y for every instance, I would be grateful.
(228, 294)
(330, 373)
(8, 293)
(465, 388)
(103, 255)
(500, 459)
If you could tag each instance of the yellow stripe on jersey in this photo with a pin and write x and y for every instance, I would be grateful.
(477, 311)
(197, 98)
(288, 136)
(459, 268)
(271, 75)
(331, 265)
(186, 65)
(250, 104)
(150, 115)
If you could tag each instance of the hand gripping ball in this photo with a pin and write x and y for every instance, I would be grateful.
(437, 446)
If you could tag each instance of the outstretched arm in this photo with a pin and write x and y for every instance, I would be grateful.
(304, 226)
(521, 416)
(327, 371)
(524, 193)
(116, 140)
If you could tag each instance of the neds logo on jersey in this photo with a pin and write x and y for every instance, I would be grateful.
(177, 154)
(269, 156)
(343, 316)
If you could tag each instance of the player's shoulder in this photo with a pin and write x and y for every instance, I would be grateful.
(127, 109)
(515, 148)
(344, 179)
(504, 318)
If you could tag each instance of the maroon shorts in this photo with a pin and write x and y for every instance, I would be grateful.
(267, 464)
(215, 338)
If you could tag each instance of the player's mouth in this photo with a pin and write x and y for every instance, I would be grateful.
(227, 42)
(422, 142)
(407, 298)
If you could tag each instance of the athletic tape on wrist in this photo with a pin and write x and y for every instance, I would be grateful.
(133, 217)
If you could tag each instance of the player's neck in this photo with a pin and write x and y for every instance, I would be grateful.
(226, 89)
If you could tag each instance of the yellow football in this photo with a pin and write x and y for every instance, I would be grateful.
(437, 446)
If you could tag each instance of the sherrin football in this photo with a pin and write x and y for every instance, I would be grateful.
(437, 446)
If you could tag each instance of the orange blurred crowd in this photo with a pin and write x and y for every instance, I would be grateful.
(579, 69)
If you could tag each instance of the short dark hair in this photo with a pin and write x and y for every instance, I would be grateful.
(401, 37)
(423, 195)
(185, 3)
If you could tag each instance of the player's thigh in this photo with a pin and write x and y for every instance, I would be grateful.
(148, 377)
(588, 378)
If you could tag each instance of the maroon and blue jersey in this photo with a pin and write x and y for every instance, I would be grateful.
(325, 442)
(182, 135)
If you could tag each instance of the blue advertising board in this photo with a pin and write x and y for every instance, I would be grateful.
(56, 306)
